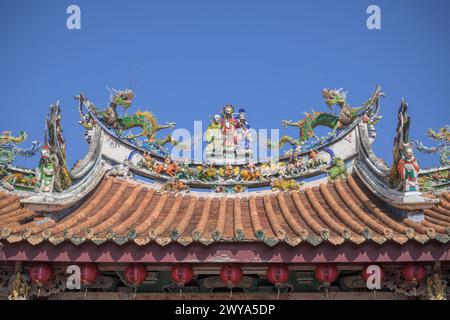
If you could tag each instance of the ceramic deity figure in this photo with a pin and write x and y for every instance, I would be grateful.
(229, 131)
(214, 139)
(244, 137)
(47, 170)
(408, 170)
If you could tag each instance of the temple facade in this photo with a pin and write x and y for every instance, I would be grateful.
(327, 219)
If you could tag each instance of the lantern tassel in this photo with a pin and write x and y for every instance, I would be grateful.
(374, 294)
(278, 293)
(181, 291)
(135, 291)
(231, 292)
(326, 292)
(85, 294)
(39, 292)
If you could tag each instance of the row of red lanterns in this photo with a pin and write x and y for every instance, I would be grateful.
(41, 273)
(230, 274)
(278, 274)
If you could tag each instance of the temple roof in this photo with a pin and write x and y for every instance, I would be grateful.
(123, 210)
(337, 200)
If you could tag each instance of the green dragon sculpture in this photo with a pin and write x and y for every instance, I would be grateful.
(338, 170)
(9, 149)
(141, 119)
(346, 116)
(12, 177)
(442, 148)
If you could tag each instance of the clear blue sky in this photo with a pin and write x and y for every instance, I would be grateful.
(185, 59)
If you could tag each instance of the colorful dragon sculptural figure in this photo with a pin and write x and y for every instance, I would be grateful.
(9, 149)
(346, 116)
(338, 170)
(405, 168)
(443, 146)
(144, 120)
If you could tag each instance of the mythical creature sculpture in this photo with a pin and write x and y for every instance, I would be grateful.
(120, 170)
(6, 137)
(169, 167)
(443, 146)
(344, 118)
(405, 168)
(9, 149)
(297, 165)
(338, 170)
(15, 178)
(315, 160)
(436, 179)
(21, 180)
(141, 119)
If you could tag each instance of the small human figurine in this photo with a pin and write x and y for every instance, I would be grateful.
(229, 126)
(408, 169)
(243, 128)
(215, 123)
(47, 170)
(214, 138)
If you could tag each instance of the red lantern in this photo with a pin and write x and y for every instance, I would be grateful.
(181, 274)
(277, 274)
(88, 273)
(40, 274)
(135, 274)
(366, 274)
(414, 272)
(231, 274)
(326, 273)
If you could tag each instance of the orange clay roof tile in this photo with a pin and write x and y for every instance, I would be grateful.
(120, 211)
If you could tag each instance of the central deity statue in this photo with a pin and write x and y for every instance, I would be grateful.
(228, 137)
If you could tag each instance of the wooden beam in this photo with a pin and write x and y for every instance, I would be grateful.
(226, 296)
(219, 253)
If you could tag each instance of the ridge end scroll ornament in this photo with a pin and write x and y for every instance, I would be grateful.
(405, 168)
